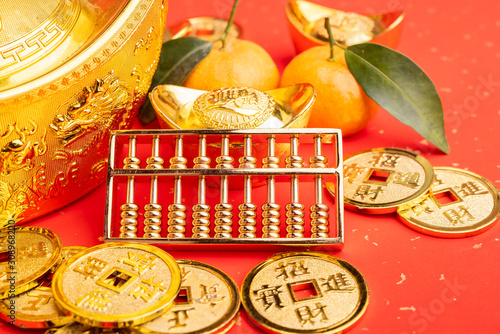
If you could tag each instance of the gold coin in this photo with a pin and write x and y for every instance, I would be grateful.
(234, 108)
(304, 292)
(77, 328)
(208, 302)
(29, 254)
(459, 204)
(117, 284)
(66, 253)
(70, 251)
(35, 308)
(379, 180)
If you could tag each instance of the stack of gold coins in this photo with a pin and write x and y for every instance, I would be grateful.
(442, 201)
(115, 288)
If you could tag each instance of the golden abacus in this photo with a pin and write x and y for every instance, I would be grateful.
(218, 177)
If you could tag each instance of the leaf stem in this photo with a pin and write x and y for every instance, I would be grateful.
(330, 37)
(229, 23)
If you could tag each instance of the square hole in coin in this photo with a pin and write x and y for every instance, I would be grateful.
(304, 290)
(378, 176)
(445, 197)
(184, 296)
(117, 279)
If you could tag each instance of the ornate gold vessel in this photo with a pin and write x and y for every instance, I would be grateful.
(306, 25)
(70, 72)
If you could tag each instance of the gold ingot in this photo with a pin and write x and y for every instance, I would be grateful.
(206, 28)
(306, 22)
(208, 302)
(117, 284)
(71, 71)
(379, 180)
(31, 253)
(459, 204)
(232, 108)
(304, 292)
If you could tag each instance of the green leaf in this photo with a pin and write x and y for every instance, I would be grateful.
(177, 59)
(399, 86)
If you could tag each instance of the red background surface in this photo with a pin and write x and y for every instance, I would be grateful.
(450, 286)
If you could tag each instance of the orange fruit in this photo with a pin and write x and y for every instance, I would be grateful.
(240, 64)
(340, 102)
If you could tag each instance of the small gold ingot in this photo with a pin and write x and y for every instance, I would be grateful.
(137, 282)
(206, 28)
(378, 180)
(210, 306)
(459, 204)
(37, 250)
(232, 108)
(306, 23)
(294, 293)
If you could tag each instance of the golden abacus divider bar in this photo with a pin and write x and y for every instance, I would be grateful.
(225, 172)
(201, 211)
(247, 215)
(177, 210)
(153, 210)
(223, 211)
(129, 210)
(294, 209)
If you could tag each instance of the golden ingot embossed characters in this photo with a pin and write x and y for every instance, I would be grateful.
(379, 180)
(459, 204)
(232, 108)
(304, 292)
(117, 284)
(348, 28)
(30, 252)
(208, 302)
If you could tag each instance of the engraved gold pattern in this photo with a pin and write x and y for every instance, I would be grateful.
(19, 153)
(89, 66)
(19, 54)
(234, 108)
(146, 42)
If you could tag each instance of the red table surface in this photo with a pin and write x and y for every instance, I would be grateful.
(418, 283)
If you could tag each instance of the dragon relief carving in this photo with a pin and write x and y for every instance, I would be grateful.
(16, 200)
(20, 152)
(101, 107)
